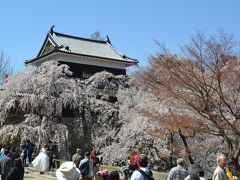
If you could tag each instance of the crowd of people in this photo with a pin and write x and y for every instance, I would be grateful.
(138, 169)
(13, 160)
(223, 171)
(87, 166)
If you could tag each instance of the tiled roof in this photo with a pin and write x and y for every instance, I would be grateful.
(85, 47)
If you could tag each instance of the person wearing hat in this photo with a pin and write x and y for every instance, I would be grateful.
(219, 173)
(178, 172)
(196, 173)
(68, 171)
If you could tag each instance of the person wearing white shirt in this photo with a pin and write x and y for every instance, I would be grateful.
(220, 173)
(144, 172)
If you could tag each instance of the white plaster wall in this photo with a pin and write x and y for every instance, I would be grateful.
(80, 60)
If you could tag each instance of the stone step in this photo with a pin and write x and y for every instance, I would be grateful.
(35, 171)
(39, 176)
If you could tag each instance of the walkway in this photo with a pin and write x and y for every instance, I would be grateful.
(32, 173)
(38, 176)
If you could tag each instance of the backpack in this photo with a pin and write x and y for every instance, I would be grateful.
(146, 177)
(84, 168)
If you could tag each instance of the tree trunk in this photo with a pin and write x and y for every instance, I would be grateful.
(237, 166)
(188, 152)
(170, 140)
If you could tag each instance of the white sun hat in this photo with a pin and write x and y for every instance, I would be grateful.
(68, 171)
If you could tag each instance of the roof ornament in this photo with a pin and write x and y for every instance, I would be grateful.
(108, 40)
(51, 30)
(67, 48)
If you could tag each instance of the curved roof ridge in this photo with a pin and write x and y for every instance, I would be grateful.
(80, 38)
(123, 56)
(54, 40)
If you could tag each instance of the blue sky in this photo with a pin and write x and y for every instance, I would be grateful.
(132, 25)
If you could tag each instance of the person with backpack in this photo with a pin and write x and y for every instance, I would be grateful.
(86, 167)
(144, 173)
(132, 163)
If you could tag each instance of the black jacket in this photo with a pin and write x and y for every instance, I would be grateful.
(15, 174)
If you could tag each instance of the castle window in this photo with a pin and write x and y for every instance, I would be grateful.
(86, 75)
